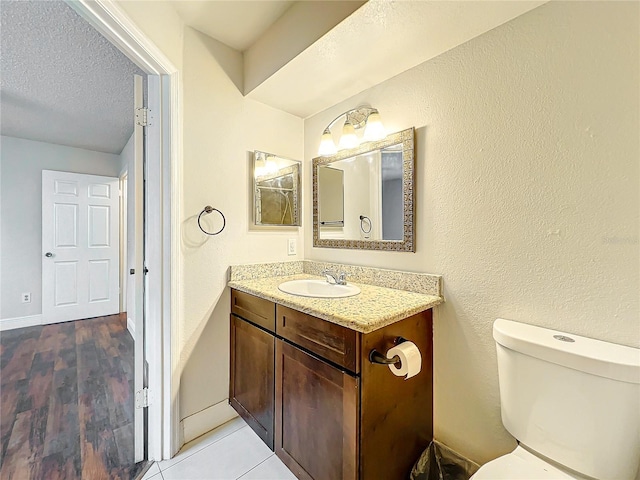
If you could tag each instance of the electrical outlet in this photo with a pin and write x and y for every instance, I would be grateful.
(26, 298)
(292, 246)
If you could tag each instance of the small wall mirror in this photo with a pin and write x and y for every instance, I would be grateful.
(363, 197)
(276, 190)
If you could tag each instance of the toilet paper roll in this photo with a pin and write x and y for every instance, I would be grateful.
(410, 360)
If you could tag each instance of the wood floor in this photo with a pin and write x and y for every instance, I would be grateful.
(66, 401)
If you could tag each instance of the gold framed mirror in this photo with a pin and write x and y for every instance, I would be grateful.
(363, 197)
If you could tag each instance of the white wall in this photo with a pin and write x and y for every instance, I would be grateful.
(221, 130)
(126, 156)
(527, 194)
(21, 163)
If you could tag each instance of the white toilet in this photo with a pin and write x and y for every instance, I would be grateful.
(573, 404)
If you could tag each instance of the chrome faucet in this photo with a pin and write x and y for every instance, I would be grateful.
(337, 279)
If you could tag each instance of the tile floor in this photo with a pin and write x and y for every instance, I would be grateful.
(231, 451)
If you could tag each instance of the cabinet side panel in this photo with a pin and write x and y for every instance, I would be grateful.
(396, 414)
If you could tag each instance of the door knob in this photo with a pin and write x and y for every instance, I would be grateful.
(48, 254)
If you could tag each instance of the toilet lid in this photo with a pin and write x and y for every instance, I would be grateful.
(520, 465)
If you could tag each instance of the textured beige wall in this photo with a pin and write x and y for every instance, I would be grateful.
(527, 194)
(161, 23)
(302, 24)
(220, 131)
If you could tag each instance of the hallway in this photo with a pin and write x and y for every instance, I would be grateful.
(67, 401)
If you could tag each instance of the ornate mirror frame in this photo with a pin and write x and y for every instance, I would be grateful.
(407, 244)
(291, 169)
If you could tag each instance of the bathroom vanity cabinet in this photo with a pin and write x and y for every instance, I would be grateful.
(307, 387)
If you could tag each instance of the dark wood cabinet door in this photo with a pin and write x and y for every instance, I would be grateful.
(316, 416)
(251, 390)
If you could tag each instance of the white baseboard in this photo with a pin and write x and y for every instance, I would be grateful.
(20, 322)
(131, 327)
(32, 320)
(206, 420)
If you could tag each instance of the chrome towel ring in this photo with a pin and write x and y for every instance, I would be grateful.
(208, 209)
(364, 220)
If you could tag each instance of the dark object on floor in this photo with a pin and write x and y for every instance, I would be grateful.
(438, 462)
(140, 469)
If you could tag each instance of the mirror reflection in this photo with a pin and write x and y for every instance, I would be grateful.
(373, 208)
(363, 197)
(276, 182)
(331, 190)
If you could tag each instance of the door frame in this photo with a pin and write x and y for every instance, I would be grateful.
(123, 178)
(163, 243)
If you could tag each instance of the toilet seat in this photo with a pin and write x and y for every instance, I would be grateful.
(521, 465)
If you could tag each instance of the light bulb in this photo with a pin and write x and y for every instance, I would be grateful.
(374, 129)
(271, 166)
(259, 165)
(348, 138)
(327, 147)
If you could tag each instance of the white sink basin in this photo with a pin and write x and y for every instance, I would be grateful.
(318, 288)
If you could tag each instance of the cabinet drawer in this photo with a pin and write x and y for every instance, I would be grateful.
(255, 309)
(333, 342)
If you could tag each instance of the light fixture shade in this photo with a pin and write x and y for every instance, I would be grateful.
(327, 147)
(374, 129)
(259, 165)
(271, 166)
(348, 138)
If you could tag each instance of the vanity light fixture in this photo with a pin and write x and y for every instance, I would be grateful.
(348, 139)
(355, 119)
(265, 165)
(271, 166)
(259, 165)
(327, 147)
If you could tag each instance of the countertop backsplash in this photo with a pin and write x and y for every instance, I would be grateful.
(409, 281)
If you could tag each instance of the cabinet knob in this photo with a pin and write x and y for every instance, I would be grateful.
(48, 254)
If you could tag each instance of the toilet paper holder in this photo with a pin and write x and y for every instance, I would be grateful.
(381, 359)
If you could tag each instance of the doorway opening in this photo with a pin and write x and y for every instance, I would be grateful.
(158, 229)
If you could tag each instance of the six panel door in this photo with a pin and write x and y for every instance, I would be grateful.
(80, 262)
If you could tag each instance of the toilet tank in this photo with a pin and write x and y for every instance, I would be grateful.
(572, 399)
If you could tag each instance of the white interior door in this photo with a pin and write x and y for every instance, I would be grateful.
(80, 262)
(135, 253)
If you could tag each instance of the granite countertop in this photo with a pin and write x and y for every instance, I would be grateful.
(375, 307)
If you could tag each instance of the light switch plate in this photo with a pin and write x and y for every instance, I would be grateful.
(292, 246)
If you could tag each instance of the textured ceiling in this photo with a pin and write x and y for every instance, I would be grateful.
(237, 24)
(62, 82)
